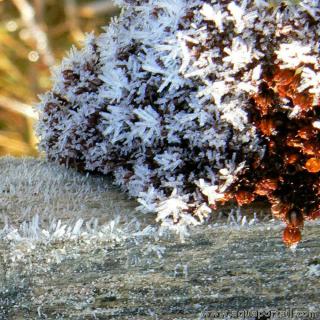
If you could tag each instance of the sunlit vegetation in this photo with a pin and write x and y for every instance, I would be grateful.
(34, 35)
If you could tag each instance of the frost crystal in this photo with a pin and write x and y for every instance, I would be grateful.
(161, 99)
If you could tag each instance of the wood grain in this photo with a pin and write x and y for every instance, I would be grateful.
(222, 267)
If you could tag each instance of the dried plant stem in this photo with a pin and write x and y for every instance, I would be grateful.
(92, 9)
(19, 107)
(71, 11)
(42, 44)
(39, 9)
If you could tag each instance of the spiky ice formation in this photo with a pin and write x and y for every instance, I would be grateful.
(163, 99)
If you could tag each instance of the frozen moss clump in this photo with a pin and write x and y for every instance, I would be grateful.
(165, 99)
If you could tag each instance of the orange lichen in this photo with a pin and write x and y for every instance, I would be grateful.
(278, 208)
(226, 197)
(266, 186)
(244, 197)
(306, 133)
(291, 236)
(267, 127)
(311, 148)
(283, 77)
(263, 102)
(303, 100)
(294, 142)
(291, 158)
(313, 165)
(288, 175)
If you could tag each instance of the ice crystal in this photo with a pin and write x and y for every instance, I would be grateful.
(162, 98)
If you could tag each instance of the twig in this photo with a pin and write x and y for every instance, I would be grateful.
(42, 44)
(90, 10)
(19, 107)
(39, 9)
(71, 11)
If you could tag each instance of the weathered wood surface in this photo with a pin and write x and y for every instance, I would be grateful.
(121, 268)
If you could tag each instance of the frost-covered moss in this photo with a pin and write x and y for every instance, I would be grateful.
(161, 99)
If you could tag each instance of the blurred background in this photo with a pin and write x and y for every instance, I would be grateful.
(35, 35)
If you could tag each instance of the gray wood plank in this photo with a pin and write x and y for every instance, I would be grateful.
(119, 270)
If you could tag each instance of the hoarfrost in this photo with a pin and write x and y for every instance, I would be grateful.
(160, 99)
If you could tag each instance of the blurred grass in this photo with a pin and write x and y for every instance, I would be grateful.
(34, 35)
